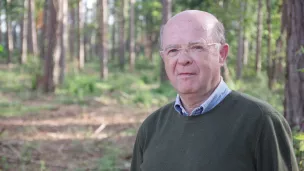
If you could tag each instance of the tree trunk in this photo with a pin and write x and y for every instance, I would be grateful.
(44, 30)
(32, 33)
(80, 40)
(57, 50)
(132, 36)
(14, 34)
(114, 30)
(246, 50)
(122, 35)
(269, 51)
(103, 41)
(62, 42)
(0, 32)
(166, 13)
(24, 34)
(258, 60)
(51, 26)
(294, 86)
(9, 38)
(240, 53)
(72, 34)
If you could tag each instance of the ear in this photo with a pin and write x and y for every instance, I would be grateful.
(224, 50)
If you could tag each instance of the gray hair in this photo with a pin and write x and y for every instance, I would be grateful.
(218, 34)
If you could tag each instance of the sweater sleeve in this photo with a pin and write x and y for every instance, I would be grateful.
(137, 157)
(274, 148)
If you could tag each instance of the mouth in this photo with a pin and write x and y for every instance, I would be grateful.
(186, 74)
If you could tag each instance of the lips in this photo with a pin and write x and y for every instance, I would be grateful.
(186, 73)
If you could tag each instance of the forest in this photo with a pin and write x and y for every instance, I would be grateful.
(78, 77)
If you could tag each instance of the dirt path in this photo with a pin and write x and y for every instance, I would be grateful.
(71, 137)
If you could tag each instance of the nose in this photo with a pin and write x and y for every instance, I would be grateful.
(184, 58)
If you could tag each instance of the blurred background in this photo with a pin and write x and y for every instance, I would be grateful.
(77, 77)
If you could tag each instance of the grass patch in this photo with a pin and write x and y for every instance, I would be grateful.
(9, 109)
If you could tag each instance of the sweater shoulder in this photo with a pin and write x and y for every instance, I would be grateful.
(254, 104)
(154, 117)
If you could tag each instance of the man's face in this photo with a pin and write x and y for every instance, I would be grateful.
(192, 61)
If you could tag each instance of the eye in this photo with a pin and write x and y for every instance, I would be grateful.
(198, 48)
(172, 52)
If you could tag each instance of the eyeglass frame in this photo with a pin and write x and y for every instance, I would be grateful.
(187, 48)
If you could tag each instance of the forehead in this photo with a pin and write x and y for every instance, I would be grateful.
(187, 28)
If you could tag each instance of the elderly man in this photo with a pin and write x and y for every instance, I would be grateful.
(209, 127)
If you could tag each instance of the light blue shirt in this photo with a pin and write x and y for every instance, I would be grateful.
(216, 97)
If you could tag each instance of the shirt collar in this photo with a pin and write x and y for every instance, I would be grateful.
(217, 95)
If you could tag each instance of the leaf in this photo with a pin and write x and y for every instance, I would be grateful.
(299, 137)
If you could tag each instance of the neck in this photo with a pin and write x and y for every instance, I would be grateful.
(193, 100)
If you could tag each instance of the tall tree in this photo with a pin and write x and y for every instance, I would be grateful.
(240, 53)
(269, 50)
(294, 86)
(51, 27)
(103, 41)
(114, 30)
(122, 35)
(80, 38)
(72, 32)
(24, 34)
(258, 60)
(32, 32)
(132, 36)
(62, 42)
(9, 36)
(166, 13)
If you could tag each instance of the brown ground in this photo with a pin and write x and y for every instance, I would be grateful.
(70, 137)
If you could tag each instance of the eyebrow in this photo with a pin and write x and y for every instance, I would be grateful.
(179, 45)
(172, 46)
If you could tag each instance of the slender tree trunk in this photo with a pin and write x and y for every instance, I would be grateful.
(246, 50)
(33, 29)
(114, 30)
(65, 40)
(166, 13)
(86, 36)
(103, 28)
(80, 37)
(24, 34)
(132, 36)
(57, 49)
(44, 30)
(0, 32)
(14, 34)
(269, 50)
(258, 62)
(122, 35)
(62, 42)
(48, 85)
(240, 56)
(32, 33)
(9, 38)
(72, 34)
(294, 85)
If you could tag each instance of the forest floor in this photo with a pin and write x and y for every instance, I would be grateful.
(94, 136)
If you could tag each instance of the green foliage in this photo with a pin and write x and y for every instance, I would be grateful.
(299, 148)
(109, 160)
(257, 86)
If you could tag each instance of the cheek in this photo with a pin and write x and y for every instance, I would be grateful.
(170, 66)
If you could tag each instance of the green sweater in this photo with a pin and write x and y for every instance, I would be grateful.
(240, 134)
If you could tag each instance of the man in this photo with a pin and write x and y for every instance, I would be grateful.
(209, 127)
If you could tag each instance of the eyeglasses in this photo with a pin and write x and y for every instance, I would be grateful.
(193, 49)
